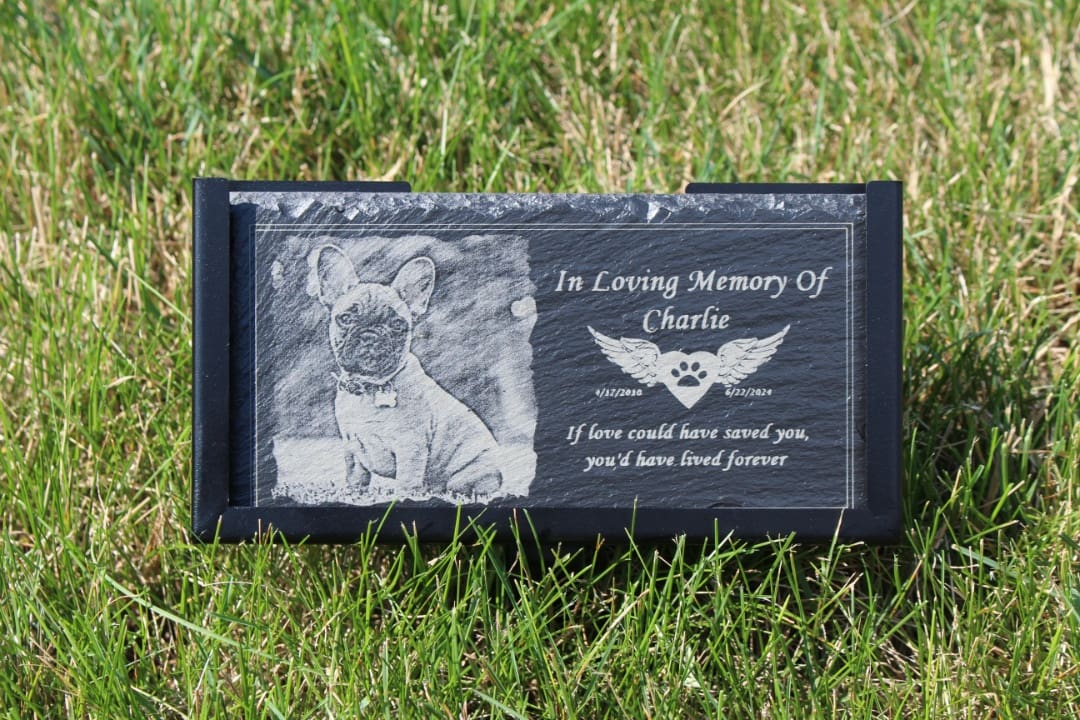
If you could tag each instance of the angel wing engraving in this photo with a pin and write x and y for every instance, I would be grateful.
(637, 358)
(689, 375)
(739, 359)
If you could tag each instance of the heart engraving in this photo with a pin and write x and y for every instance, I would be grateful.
(688, 376)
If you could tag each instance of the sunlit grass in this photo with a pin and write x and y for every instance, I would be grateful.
(107, 112)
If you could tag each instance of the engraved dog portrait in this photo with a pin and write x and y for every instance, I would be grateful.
(392, 367)
(394, 419)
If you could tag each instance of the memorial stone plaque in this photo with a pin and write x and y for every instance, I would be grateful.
(720, 361)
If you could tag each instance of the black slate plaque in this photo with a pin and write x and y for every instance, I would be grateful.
(725, 360)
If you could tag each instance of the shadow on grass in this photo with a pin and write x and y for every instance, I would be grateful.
(976, 421)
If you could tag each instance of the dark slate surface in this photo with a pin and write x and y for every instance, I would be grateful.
(545, 375)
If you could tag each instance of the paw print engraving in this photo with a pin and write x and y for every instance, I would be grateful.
(688, 374)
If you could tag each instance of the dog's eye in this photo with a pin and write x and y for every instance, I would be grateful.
(346, 319)
(397, 324)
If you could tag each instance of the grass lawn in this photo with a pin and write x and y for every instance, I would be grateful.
(107, 110)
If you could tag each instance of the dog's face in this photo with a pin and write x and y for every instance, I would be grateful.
(370, 323)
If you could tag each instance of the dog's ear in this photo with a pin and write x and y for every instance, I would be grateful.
(414, 282)
(330, 274)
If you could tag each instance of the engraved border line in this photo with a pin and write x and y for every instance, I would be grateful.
(849, 232)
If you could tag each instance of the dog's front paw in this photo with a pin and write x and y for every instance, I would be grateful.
(356, 475)
(475, 486)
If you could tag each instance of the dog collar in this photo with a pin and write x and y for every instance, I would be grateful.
(382, 394)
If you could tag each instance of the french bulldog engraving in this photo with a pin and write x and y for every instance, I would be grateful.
(394, 419)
